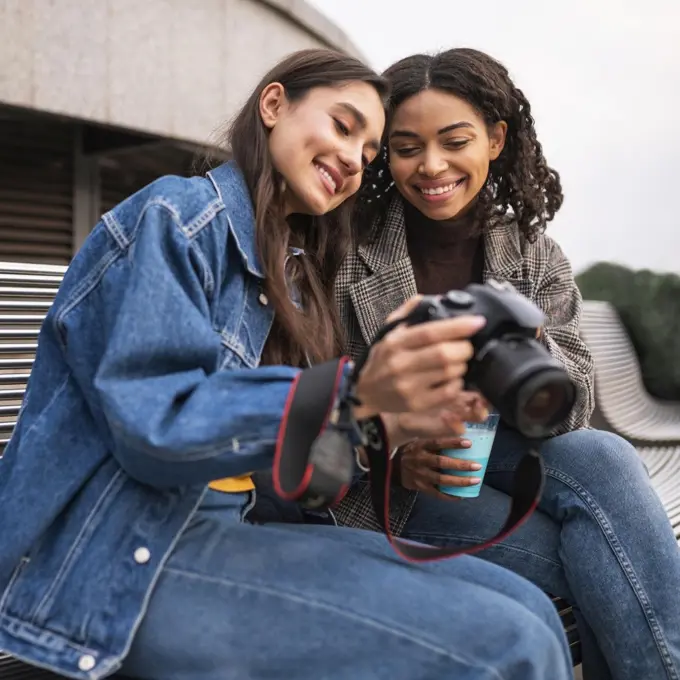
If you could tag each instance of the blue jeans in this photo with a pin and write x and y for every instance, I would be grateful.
(244, 601)
(600, 539)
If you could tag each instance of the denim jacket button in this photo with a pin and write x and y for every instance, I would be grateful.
(86, 662)
(142, 555)
(264, 300)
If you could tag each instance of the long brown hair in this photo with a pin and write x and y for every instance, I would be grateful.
(313, 331)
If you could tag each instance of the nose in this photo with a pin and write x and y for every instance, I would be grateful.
(351, 159)
(433, 163)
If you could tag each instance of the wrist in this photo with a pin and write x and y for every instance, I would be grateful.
(362, 411)
(395, 433)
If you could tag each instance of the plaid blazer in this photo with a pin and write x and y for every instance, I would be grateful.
(377, 277)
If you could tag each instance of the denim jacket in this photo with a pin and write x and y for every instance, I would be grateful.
(142, 391)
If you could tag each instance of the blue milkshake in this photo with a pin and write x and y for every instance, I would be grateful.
(480, 436)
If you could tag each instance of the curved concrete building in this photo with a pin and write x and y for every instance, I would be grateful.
(98, 97)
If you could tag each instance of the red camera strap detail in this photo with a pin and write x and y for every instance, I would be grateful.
(305, 417)
(299, 474)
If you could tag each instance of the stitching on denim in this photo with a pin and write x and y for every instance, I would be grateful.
(197, 453)
(215, 185)
(371, 623)
(16, 573)
(161, 564)
(208, 279)
(236, 347)
(15, 625)
(75, 548)
(42, 415)
(198, 223)
(232, 341)
(474, 540)
(623, 560)
(82, 291)
(116, 230)
(159, 201)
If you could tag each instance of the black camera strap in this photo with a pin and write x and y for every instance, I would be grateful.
(314, 460)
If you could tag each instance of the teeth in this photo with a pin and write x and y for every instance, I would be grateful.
(439, 190)
(326, 174)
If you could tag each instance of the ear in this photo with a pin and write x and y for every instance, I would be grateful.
(272, 100)
(497, 135)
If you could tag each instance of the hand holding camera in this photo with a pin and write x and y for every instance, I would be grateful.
(430, 343)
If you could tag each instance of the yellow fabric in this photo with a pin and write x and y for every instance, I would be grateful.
(233, 484)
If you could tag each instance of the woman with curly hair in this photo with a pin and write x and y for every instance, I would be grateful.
(461, 194)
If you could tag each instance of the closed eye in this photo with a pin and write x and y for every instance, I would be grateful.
(341, 127)
(406, 151)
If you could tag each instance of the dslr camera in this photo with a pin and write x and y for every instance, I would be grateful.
(530, 389)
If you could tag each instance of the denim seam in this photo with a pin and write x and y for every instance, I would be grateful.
(47, 407)
(475, 540)
(47, 599)
(161, 565)
(14, 625)
(617, 549)
(197, 453)
(372, 623)
(81, 291)
(237, 349)
(13, 579)
(115, 229)
(208, 279)
(194, 227)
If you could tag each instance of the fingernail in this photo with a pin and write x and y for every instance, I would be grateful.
(474, 480)
(475, 466)
(478, 321)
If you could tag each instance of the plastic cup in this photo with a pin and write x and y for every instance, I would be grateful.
(481, 436)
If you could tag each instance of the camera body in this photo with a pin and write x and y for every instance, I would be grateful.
(530, 389)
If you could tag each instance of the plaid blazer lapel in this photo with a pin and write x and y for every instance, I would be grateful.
(504, 261)
(391, 280)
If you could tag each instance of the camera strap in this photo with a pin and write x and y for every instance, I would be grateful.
(527, 488)
(314, 461)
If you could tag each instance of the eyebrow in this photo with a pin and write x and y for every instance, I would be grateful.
(360, 120)
(444, 130)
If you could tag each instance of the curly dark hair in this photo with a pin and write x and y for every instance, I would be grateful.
(521, 187)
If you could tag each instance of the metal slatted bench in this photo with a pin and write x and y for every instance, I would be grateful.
(623, 404)
(663, 464)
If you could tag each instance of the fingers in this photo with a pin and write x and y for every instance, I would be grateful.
(429, 425)
(440, 362)
(434, 332)
(418, 399)
(423, 460)
(437, 445)
(426, 477)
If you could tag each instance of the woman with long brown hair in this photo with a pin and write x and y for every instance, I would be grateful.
(166, 365)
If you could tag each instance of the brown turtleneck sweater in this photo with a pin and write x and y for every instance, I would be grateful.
(444, 255)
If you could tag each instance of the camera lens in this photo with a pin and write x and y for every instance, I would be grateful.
(544, 403)
(529, 388)
(544, 400)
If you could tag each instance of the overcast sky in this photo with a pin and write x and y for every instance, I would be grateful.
(603, 77)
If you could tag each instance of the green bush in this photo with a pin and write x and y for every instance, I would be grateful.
(649, 306)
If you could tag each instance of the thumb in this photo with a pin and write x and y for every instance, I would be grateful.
(405, 309)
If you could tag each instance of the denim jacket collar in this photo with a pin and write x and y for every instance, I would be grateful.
(231, 187)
